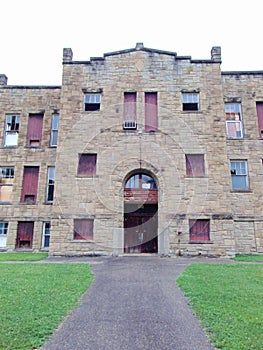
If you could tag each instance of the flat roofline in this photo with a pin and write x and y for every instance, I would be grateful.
(51, 87)
(252, 72)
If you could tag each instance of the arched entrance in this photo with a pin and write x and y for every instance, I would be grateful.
(140, 214)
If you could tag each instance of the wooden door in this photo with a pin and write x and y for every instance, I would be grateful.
(140, 231)
(25, 231)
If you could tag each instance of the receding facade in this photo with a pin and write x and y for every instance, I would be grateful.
(138, 151)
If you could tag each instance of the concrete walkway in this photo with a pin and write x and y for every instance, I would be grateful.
(133, 303)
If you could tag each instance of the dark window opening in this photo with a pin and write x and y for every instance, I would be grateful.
(92, 102)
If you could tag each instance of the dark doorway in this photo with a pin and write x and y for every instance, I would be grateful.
(141, 228)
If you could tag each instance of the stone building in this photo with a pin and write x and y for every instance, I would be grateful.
(138, 151)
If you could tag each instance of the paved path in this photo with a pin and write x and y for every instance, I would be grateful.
(133, 303)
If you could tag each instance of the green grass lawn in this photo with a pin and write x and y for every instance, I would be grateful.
(228, 300)
(249, 258)
(22, 256)
(34, 299)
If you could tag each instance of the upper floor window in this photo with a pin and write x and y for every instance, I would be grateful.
(190, 101)
(54, 130)
(151, 113)
(239, 175)
(129, 113)
(92, 102)
(50, 184)
(6, 183)
(234, 124)
(87, 164)
(11, 130)
(141, 181)
(34, 130)
(195, 165)
(259, 106)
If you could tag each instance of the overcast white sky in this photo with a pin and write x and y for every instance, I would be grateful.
(34, 32)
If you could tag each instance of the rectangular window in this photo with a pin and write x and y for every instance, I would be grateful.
(30, 185)
(92, 102)
(87, 164)
(151, 113)
(50, 184)
(3, 234)
(234, 124)
(46, 235)
(129, 112)
(54, 130)
(11, 130)
(6, 183)
(259, 106)
(195, 165)
(190, 101)
(83, 229)
(34, 130)
(239, 175)
(25, 232)
(199, 230)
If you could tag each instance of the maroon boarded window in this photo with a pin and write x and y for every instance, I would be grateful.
(260, 118)
(195, 165)
(30, 185)
(151, 118)
(199, 230)
(34, 130)
(87, 164)
(129, 106)
(83, 229)
(25, 231)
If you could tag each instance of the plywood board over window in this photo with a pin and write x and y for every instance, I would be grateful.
(34, 130)
(195, 165)
(30, 185)
(151, 113)
(83, 229)
(87, 164)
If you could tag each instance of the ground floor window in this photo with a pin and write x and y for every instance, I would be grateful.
(25, 233)
(199, 230)
(83, 229)
(46, 235)
(3, 234)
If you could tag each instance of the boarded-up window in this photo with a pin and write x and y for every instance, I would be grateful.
(83, 229)
(199, 230)
(34, 130)
(260, 118)
(30, 185)
(6, 183)
(195, 165)
(25, 232)
(129, 106)
(87, 164)
(151, 117)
